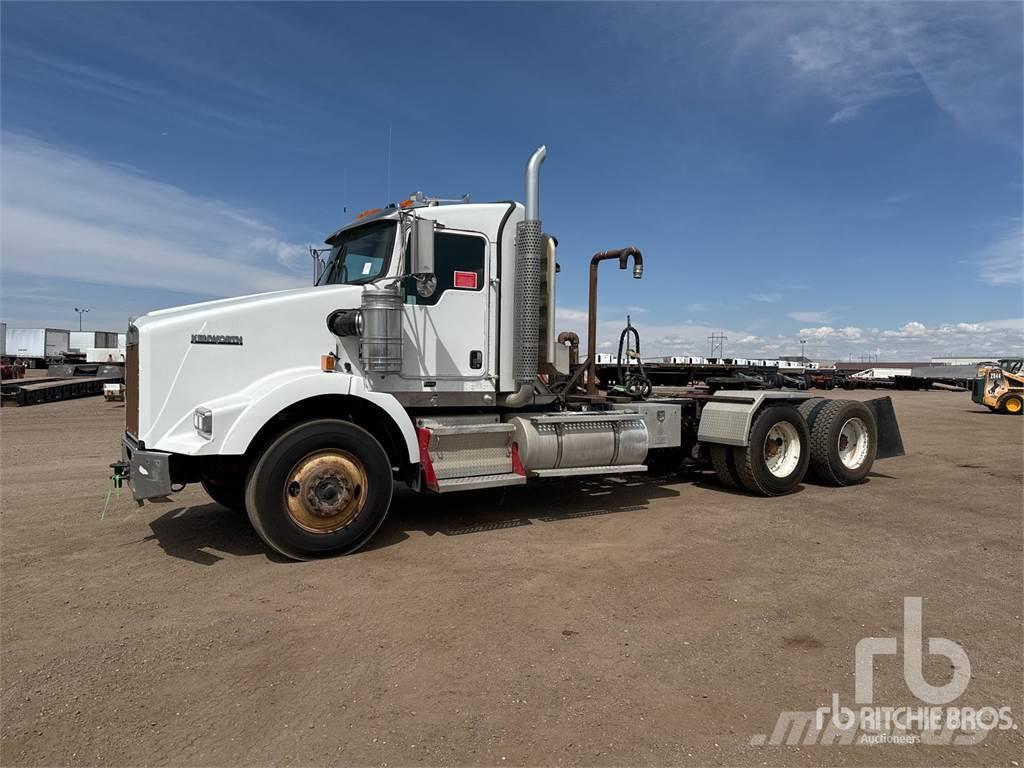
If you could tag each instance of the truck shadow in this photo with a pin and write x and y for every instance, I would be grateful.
(490, 510)
(204, 534)
(197, 533)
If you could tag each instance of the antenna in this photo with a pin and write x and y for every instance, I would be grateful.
(387, 197)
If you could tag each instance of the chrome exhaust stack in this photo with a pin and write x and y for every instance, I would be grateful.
(529, 276)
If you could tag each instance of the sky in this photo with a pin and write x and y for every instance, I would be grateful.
(846, 174)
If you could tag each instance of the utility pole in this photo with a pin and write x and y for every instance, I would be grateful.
(81, 311)
(717, 341)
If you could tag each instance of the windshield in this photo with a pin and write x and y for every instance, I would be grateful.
(360, 255)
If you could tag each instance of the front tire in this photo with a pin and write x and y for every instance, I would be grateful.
(776, 458)
(322, 488)
(226, 490)
(1012, 404)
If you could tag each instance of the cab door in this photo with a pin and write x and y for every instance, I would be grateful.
(446, 321)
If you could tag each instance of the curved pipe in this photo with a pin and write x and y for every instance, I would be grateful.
(623, 255)
(533, 183)
(573, 340)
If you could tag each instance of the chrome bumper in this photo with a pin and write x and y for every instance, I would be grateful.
(149, 472)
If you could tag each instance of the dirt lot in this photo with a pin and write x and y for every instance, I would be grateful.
(605, 622)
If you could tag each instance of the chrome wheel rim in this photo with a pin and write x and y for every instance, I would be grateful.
(853, 443)
(782, 449)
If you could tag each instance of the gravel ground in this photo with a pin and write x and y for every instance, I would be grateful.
(607, 622)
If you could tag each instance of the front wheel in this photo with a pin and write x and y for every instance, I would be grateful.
(322, 488)
(1012, 404)
(776, 458)
(227, 490)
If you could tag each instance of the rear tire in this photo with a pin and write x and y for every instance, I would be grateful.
(844, 442)
(775, 461)
(322, 488)
(723, 459)
(1012, 404)
(809, 409)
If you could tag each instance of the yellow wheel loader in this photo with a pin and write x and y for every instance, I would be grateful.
(1001, 387)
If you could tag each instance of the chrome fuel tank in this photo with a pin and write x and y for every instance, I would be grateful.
(580, 439)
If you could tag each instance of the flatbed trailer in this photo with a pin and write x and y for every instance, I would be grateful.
(51, 389)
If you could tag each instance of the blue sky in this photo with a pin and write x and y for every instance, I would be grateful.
(850, 174)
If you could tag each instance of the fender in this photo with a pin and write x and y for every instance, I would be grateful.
(238, 418)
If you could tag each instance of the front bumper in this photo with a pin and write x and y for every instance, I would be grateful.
(149, 472)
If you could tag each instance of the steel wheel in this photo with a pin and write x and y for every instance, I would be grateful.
(321, 488)
(854, 442)
(776, 460)
(325, 491)
(782, 448)
(844, 442)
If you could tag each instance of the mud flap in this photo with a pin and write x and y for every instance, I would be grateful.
(890, 441)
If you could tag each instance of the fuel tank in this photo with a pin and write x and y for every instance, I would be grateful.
(592, 439)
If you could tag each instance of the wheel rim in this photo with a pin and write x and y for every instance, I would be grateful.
(853, 443)
(325, 491)
(782, 449)
(1013, 405)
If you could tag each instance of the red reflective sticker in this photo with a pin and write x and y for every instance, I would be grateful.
(465, 280)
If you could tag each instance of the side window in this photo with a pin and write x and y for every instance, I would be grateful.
(458, 266)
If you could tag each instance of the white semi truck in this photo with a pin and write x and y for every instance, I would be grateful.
(426, 353)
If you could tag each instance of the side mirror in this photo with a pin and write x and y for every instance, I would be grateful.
(421, 246)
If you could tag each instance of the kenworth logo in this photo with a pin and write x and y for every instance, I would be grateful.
(216, 338)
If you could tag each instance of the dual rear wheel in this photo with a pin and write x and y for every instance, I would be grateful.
(836, 440)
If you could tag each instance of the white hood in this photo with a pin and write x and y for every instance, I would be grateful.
(197, 353)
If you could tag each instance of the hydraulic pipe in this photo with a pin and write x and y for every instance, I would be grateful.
(623, 255)
(573, 340)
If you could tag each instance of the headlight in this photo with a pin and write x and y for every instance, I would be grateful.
(202, 420)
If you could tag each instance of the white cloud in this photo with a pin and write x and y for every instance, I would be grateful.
(828, 332)
(570, 316)
(68, 216)
(913, 340)
(811, 316)
(1002, 262)
(964, 56)
(768, 298)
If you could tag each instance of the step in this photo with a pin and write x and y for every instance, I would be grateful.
(449, 485)
(574, 471)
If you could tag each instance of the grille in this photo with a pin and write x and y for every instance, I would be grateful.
(131, 389)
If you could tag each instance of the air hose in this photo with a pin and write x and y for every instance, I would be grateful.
(633, 382)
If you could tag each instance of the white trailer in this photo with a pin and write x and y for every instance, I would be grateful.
(85, 340)
(426, 354)
(37, 346)
(104, 355)
(881, 373)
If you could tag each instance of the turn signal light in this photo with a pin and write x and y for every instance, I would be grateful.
(326, 363)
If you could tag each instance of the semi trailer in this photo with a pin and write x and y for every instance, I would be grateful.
(36, 347)
(426, 353)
